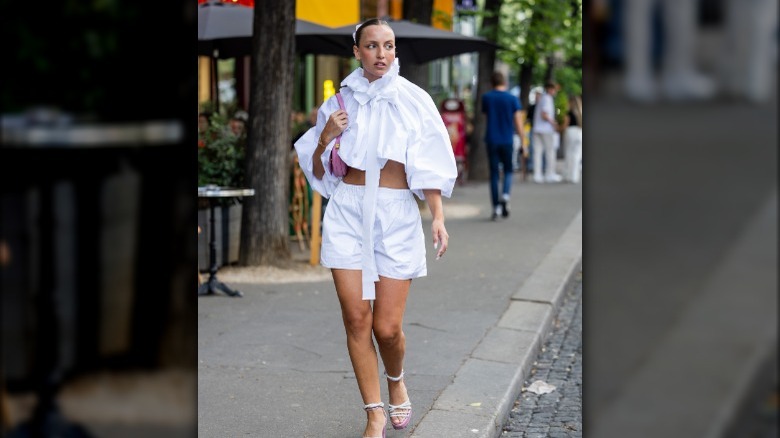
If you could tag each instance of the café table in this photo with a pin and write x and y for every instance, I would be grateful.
(212, 192)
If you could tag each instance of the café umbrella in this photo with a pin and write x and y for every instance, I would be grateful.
(225, 31)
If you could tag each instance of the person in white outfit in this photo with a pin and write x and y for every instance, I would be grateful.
(572, 139)
(750, 69)
(544, 129)
(680, 79)
(396, 147)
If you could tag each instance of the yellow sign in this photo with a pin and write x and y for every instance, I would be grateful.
(395, 9)
(442, 14)
(332, 13)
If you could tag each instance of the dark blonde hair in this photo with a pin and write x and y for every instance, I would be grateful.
(369, 22)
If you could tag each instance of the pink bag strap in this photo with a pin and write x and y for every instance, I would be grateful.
(341, 105)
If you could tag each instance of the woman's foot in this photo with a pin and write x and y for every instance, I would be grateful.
(400, 408)
(376, 420)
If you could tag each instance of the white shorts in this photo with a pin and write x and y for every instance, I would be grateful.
(399, 242)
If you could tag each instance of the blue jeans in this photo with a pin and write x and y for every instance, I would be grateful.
(500, 154)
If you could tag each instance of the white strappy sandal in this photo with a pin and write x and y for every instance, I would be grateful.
(371, 407)
(405, 408)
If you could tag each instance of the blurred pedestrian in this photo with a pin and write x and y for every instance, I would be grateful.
(307, 124)
(680, 78)
(396, 146)
(751, 31)
(544, 131)
(535, 97)
(237, 123)
(572, 140)
(504, 119)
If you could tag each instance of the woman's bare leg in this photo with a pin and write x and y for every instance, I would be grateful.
(358, 320)
(389, 308)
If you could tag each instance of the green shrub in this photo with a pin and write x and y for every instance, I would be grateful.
(221, 158)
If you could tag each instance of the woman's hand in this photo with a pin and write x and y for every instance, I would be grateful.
(440, 237)
(439, 232)
(336, 124)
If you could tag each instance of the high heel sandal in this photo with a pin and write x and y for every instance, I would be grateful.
(406, 414)
(371, 407)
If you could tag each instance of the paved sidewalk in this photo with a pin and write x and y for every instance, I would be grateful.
(274, 362)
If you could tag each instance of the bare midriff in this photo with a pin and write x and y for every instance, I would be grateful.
(392, 176)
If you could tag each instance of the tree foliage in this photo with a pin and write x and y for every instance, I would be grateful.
(545, 35)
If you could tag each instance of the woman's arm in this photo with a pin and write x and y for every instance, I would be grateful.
(316, 162)
(549, 117)
(335, 125)
(439, 232)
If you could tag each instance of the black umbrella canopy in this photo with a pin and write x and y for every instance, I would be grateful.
(312, 38)
(418, 43)
(225, 31)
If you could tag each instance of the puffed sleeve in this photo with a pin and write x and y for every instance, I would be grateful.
(306, 145)
(430, 161)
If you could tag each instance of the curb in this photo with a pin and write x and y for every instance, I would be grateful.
(484, 389)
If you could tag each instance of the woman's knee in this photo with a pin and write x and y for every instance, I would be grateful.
(358, 323)
(388, 333)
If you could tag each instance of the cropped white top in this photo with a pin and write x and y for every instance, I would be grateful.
(388, 119)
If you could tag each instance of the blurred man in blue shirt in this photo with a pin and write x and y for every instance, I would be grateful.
(504, 119)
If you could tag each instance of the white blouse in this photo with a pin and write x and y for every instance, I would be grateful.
(388, 119)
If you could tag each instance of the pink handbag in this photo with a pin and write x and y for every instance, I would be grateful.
(337, 167)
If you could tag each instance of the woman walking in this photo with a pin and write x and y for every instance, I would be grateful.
(395, 146)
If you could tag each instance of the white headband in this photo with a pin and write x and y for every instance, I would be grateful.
(353, 33)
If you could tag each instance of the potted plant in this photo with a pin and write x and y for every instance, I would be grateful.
(220, 163)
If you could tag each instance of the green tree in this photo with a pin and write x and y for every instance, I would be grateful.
(543, 40)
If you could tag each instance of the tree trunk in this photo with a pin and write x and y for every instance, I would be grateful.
(478, 160)
(419, 11)
(549, 74)
(265, 217)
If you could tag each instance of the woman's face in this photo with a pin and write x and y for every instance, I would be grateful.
(376, 51)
